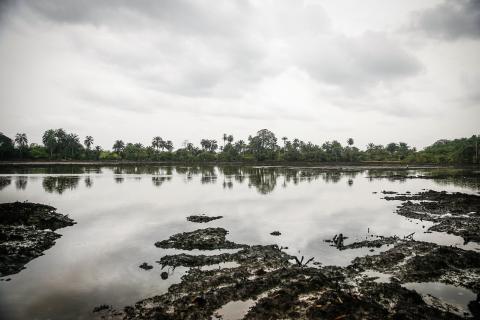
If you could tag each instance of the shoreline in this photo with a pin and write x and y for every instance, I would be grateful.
(359, 165)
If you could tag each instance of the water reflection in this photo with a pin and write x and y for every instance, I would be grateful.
(158, 181)
(262, 179)
(60, 184)
(88, 182)
(4, 182)
(21, 183)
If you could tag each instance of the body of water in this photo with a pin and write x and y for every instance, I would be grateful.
(122, 211)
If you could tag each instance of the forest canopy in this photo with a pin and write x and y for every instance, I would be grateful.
(58, 144)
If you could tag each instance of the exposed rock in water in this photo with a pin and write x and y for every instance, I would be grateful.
(455, 213)
(202, 218)
(202, 239)
(26, 230)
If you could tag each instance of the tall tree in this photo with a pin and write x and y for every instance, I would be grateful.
(350, 141)
(49, 140)
(88, 142)
(118, 146)
(169, 145)
(225, 137)
(157, 143)
(22, 142)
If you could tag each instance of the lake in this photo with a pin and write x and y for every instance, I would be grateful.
(121, 211)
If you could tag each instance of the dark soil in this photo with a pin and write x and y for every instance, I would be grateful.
(282, 288)
(455, 213)
(202, 239)
(26, 231)
(415, 261)
(202, 218)
(145, 266)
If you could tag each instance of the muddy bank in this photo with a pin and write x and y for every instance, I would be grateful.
(454, 213)
(26, 230)
(416, 261)
(202, 239)
(202, 218)
(279, 286)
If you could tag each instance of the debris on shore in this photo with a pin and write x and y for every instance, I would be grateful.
(26, 231)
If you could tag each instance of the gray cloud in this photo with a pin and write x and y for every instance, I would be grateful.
(311, 69)
(452, 19)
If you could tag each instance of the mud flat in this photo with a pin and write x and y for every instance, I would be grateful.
(275, 285)
(202, 218)
(455, 213)
(26, 231)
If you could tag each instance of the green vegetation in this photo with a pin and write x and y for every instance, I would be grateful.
(264, 146)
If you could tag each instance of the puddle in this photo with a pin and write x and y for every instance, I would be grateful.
(381, 277)
(234, 310)
(223, 265)
(456, 296)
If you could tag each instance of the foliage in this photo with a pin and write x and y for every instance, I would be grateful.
(59, 144)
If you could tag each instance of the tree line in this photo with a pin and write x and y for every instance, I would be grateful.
(58, 144)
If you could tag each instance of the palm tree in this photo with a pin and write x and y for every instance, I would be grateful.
(72, 142)
(169, 145)
(157, 142)
(225, 137)
(230, 139)
(22, 141)
(350, 141)
(118, 146)
(88, 142)
(49, 140)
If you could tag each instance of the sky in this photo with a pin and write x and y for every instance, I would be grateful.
(374, 70)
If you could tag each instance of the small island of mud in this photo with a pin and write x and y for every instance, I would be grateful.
(202, 218)
(26, 231)
(456, 213)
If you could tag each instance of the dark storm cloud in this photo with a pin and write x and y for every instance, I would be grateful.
(453, 19)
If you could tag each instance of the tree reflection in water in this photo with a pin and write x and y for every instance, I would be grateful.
(60, 184)
(21, 183)
(4, 182)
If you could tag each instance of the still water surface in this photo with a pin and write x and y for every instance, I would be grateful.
(122, 211)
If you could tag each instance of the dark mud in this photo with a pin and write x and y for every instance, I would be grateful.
(415, 261)
(454, 213)
(202, 218)
(26, 231)
(280, 287)
(145, 266)
(202, 239)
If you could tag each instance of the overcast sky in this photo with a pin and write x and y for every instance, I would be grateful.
(375, 70)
